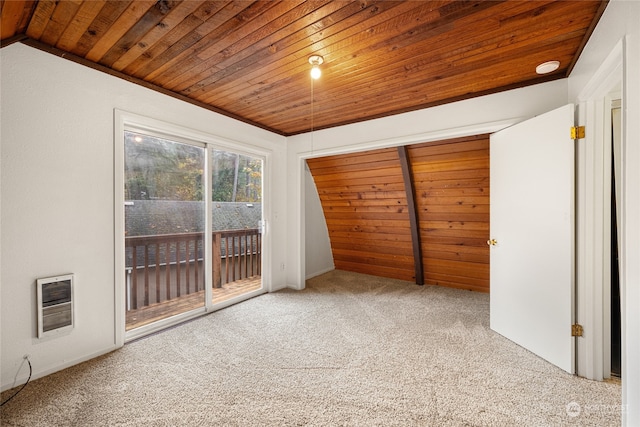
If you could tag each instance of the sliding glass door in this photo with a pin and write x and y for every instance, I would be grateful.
(164, 228)
(237, 219)
(176, 191)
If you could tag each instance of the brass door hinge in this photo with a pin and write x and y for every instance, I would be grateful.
(576, 330)
(577, 132)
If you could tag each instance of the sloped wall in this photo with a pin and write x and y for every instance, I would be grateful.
(364, 200)
(365, 206)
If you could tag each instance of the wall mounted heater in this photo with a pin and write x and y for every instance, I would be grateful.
(55, 305)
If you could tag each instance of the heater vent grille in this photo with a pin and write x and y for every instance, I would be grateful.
(55, 305)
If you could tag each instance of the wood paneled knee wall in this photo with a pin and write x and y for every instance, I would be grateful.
(364, 200)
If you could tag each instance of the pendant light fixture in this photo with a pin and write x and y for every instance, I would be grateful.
(316, 61)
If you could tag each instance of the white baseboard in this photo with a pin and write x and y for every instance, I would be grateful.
(318, 273)
(40, 374)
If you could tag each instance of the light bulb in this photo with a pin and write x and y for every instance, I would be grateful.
(315, 61)
(315, 72)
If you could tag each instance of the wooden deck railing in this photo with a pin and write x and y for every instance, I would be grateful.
(164, 267)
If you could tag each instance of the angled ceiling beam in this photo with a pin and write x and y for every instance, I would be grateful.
(413, 214)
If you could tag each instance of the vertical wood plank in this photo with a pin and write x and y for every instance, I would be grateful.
(251, 256)
(178, 285)
(167, 268)
(233, 259)
(157, 271)
(134, 277)
(245, 256)
(227, 264)
(187, 265)
(146, 274)
(196, 246)
(217, 260)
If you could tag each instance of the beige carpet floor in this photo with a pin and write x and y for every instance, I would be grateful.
(350, 350)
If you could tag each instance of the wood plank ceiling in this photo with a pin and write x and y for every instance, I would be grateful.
(249, 59)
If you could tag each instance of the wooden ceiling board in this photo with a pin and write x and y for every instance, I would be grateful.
(127, 21)
(40, 19)
(58, 21)
(179, 39)
(15, 17)
(249, 59)
(357, 36)
(219, 26)
(98, 27)
(144, 22)
(183, 12)
(347, 34)
(225, 66)
(193, 71)
(85, 15)
(419, 77)
(289, 61)
(374, 62)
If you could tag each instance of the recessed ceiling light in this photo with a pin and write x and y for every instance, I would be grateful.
(547, 67)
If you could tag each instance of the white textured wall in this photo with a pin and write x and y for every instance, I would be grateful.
(57, 196)
(621, 20)
(318, 256)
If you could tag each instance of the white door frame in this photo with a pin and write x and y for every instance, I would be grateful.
(593, 160)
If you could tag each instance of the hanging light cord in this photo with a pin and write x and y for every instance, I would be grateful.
(312, 116)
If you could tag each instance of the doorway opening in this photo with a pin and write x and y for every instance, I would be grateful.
(616, 331)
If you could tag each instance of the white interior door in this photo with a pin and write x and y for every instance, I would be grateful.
(532, 223)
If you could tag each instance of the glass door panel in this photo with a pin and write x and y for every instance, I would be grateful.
(237, 219)
(164, 228)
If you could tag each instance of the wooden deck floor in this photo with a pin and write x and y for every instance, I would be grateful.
(146, 315)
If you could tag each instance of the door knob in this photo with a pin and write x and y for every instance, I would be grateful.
(492, 242)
